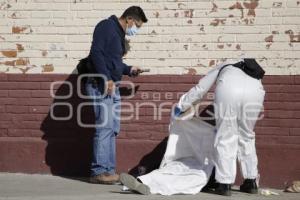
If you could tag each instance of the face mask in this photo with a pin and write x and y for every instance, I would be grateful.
(132, 30)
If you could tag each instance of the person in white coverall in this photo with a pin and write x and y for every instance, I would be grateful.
(238, 103)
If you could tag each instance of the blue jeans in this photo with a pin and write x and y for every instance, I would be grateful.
(107, 111)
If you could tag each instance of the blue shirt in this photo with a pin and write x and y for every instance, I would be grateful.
(108, 48)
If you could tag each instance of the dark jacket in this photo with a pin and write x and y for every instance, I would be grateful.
(108, 48)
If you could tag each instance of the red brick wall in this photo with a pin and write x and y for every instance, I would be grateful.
(32, 142)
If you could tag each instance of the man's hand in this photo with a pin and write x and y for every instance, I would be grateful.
(135, 71)
(110, 87)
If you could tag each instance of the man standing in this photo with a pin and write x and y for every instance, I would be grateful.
(108, 48)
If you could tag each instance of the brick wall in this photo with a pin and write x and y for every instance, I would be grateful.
(182, 36)
(31, 141)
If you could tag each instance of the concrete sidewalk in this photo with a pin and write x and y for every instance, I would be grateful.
(47, 187)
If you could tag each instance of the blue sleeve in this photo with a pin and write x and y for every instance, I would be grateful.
(115, 42)
(101, 37)
(127, 70)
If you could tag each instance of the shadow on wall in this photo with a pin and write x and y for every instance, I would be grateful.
(150, 161)
(69, 146)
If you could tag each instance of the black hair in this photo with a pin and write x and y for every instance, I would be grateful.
(136, 13)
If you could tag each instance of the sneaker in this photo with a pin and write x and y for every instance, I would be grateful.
(105, 178)
(249, 186)
(223, 189)
(133, 184)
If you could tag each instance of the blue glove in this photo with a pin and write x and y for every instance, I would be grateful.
(177, 112)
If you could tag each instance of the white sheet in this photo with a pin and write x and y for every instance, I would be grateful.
(187, 163)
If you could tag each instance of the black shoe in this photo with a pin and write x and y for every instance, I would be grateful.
(223, 189)
(212, 183)
(249, 186)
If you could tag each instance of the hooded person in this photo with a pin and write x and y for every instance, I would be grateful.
(195, 147)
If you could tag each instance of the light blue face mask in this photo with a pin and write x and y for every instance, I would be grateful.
(132, 31)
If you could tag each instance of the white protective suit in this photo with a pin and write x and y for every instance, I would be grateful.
(238, 102)
(194, 146)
